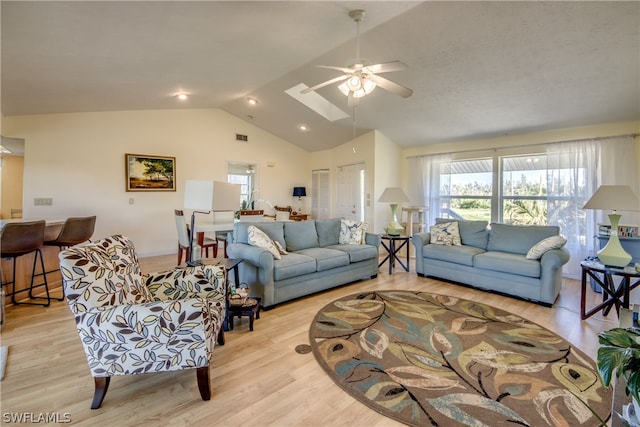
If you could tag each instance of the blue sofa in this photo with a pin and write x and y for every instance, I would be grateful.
(494, 258)
(315, 260)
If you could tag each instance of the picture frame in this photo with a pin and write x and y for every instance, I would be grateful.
(150, 173)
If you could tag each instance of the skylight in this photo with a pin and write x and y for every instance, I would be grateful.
(317, 103)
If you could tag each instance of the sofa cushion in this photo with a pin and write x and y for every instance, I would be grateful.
(446, 233)
(544, 245)
(273, 229)
(505, 262)
(456, 254)
(281, 249)
(293, 265)
(518, 239)
(300, 235)
(352, 232)
(328, 231)
(472, 232)
(357, 253)
(326, 259)
(259, 238)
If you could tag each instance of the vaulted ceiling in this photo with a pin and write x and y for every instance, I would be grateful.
(478, 69)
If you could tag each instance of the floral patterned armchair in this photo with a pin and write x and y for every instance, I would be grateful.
(130, 323)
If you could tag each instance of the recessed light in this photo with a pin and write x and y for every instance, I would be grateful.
(182, 96)
(303, 127)
(252, 101)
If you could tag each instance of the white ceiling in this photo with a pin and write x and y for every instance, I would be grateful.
(478, 69)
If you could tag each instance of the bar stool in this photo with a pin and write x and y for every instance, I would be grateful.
(74, 231)
(22, 238)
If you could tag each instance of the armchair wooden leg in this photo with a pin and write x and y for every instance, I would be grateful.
(102, 385)
(221, 336)
(203, 382)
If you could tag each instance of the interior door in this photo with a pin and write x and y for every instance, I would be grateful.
(350, 192)
(320, 194)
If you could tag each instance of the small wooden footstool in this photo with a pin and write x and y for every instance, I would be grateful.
(250, 308)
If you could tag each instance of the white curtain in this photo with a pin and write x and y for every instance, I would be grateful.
(575, 171)
(424, 184)
(572, 178)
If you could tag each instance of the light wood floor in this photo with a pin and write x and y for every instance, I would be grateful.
(257, 377)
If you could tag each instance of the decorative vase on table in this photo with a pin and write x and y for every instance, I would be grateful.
(394, 228)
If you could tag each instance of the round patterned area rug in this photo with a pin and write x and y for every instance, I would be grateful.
(433, 360)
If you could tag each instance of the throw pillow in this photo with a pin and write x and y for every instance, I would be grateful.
(446, 233)
(282, 250)
(544, 245)
(259, 238)
(352, 232)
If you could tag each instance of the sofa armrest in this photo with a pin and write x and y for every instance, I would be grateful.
(551, 264)
(253, 255)
(373, 239)
(420, 240)
(554, 258)
(154, 336)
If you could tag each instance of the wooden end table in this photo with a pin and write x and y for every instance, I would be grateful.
(611, 295)
(250, 308)
(393, 249)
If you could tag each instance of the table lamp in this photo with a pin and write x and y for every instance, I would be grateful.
(300, 192)
(393, 196)
(614, 197)
(198, 195)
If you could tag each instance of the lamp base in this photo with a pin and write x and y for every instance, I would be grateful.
(613, 254)
(394, 228)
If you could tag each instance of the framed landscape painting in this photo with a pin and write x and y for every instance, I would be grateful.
(150, 173)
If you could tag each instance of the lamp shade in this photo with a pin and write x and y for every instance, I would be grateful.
(614, 198)
(393, 195)
(299, 192)
(226, 196)
(198, 195)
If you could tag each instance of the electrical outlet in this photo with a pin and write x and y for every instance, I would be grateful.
(42, 201)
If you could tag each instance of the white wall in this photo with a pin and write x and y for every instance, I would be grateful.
(388, 160)
(78, 160)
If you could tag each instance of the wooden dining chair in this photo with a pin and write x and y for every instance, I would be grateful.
(183, 239)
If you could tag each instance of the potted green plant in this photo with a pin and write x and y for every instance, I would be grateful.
(619, 352)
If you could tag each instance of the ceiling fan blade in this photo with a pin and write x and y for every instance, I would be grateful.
(327, 83)
(387, 67)
(333, 67)
(392, 87)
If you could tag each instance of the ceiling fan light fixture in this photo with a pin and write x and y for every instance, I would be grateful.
(357, 86)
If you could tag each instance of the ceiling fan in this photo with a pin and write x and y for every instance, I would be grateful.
(360, 79)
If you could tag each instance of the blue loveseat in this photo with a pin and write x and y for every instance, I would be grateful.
(494, 258)
(315, 260)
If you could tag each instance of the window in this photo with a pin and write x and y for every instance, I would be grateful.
(523, 195)
(243, 174)
(466, 189)
(517, 194)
